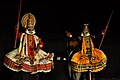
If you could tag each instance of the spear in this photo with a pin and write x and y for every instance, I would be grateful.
(106, 29)
(18, 23)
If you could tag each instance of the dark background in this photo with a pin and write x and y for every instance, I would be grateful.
(53, 18)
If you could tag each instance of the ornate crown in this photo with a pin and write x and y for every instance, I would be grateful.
(28, 20)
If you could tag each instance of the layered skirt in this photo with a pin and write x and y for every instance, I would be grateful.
(42, 62)
(82, 63)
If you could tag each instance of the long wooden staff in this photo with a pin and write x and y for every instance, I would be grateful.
(18, 23)
(105, 29)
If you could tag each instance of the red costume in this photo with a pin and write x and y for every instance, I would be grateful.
(29, 56)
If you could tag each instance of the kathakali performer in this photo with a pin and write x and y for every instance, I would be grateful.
(83, 56)
(29, 56)
(89, 57)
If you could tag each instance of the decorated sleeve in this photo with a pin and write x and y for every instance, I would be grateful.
(41, 42)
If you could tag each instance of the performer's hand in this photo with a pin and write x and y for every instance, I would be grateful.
(103, 32)
(40, 46)
(69, 34)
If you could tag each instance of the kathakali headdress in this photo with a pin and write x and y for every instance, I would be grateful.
(86, 29)
(85, 32)
(28, 20)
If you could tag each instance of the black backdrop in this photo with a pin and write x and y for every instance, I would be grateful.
(53, 19)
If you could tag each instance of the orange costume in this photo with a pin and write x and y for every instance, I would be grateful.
(88, 58)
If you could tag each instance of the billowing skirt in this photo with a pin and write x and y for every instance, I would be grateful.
(81, 62)
(41, 62)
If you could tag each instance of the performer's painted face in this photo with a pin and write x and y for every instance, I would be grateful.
(85, 29)
(85, 32)
(30, 28)
(30, 31)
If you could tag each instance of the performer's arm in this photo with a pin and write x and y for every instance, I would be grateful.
(99, 35)
(41, 44)
(19, 35)
(70, 36)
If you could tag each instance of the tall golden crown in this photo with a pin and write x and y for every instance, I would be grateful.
(28, 20)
